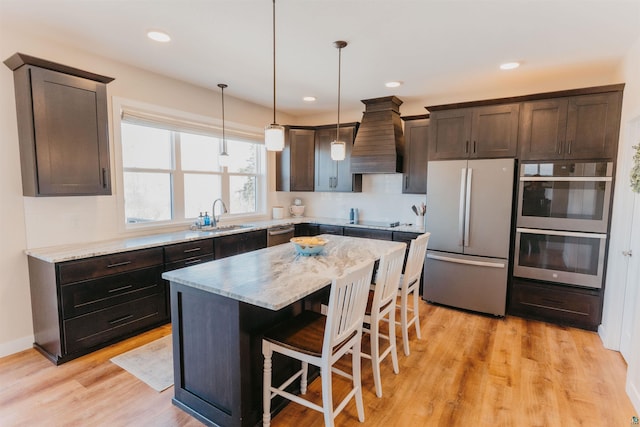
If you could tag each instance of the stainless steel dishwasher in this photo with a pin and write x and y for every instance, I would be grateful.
(280, 234)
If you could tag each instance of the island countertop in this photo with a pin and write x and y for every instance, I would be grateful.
(275, 277)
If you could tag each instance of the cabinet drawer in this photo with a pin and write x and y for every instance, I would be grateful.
(330, 229)
(88, 296)
(556, 304)
(97, 328)
(187, 262)
(369, 233)
(92, 268)
(181, 251)
(404, 236)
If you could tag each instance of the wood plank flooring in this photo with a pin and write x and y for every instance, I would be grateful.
(468, 370)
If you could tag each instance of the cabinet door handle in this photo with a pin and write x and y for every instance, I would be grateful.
(104, 177)
(466, 147)
(474, 147)
(186, 251)
(119, 264)
(406, 181)
(560, 147)
(192, 261)
(120, 319)
(122, 288)
(569, 147)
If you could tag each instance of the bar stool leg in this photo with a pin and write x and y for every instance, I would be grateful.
(266, 386)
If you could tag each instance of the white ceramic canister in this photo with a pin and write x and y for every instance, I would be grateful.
(277, 212)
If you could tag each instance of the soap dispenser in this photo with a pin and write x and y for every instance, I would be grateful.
(207, 219)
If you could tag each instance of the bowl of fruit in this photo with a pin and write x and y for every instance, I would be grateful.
(307, 246)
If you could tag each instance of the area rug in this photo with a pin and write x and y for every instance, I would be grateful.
(152, 363)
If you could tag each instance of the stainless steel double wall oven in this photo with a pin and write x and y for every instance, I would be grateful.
(562, 221)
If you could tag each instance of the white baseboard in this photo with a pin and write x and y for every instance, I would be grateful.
(608, 341)
(15, 346)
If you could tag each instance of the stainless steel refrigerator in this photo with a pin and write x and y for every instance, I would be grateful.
(469, 211)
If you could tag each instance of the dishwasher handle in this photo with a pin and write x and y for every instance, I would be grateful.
(278, 231)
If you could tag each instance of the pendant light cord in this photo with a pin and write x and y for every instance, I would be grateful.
(339, 67)
(274, 61)
(224, 139)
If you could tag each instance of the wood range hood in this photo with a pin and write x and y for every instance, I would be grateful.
(379, 143)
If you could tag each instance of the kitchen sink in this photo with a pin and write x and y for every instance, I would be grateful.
(227, 227)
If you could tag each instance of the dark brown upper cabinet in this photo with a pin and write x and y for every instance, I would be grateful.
(62, 128)
(334, 175)
(578, 127)
(416, 152)
(295, 164)
(480, 132)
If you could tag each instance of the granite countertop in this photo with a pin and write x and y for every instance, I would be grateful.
(87, 250)
(275, 277)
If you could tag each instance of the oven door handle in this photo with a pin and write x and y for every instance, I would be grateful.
(561, 233)
(567, 178)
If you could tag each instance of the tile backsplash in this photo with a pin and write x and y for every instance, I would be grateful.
(381, 199)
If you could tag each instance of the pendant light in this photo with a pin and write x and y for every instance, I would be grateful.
(274, 133)
(223, 158)
(338, 147)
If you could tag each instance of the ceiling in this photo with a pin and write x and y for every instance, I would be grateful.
(434, 47)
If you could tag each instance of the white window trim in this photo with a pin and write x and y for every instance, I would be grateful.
(185, 122)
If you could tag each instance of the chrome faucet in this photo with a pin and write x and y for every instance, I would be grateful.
(214, 220)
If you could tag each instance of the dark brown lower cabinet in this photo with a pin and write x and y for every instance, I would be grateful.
(306, 230)
(82, 305)
(369, 233)
(234, 244)
(563, 305)
(330, 229)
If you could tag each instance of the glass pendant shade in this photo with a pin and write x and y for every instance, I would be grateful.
(274, 137)
(338, 150)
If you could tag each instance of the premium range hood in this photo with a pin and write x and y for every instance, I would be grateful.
(379, 143)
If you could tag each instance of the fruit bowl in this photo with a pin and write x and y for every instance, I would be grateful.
(307, 246)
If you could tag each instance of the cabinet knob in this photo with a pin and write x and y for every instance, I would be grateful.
(628, 253)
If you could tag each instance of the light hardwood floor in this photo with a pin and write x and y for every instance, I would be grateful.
(468, 370)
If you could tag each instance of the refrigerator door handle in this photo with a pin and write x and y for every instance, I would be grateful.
(463, 185)
(466, 261)
(468, 206)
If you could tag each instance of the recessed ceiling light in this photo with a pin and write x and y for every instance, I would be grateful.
(159, 36)
(393, 84)
(309, 98)
(509, 65)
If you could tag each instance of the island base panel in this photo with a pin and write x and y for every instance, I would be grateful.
(217, 347)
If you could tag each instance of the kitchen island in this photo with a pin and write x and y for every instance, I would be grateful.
(221, 308)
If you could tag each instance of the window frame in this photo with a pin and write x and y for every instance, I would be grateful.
(180, 121)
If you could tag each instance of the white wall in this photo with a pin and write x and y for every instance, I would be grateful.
(38, 222)
(611, 328)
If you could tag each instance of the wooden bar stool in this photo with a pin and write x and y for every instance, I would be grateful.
(382, 307)
(409, 288)
(322, 340)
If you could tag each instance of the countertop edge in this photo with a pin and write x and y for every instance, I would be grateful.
(70, 252)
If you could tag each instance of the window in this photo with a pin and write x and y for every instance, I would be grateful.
(172, 175)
